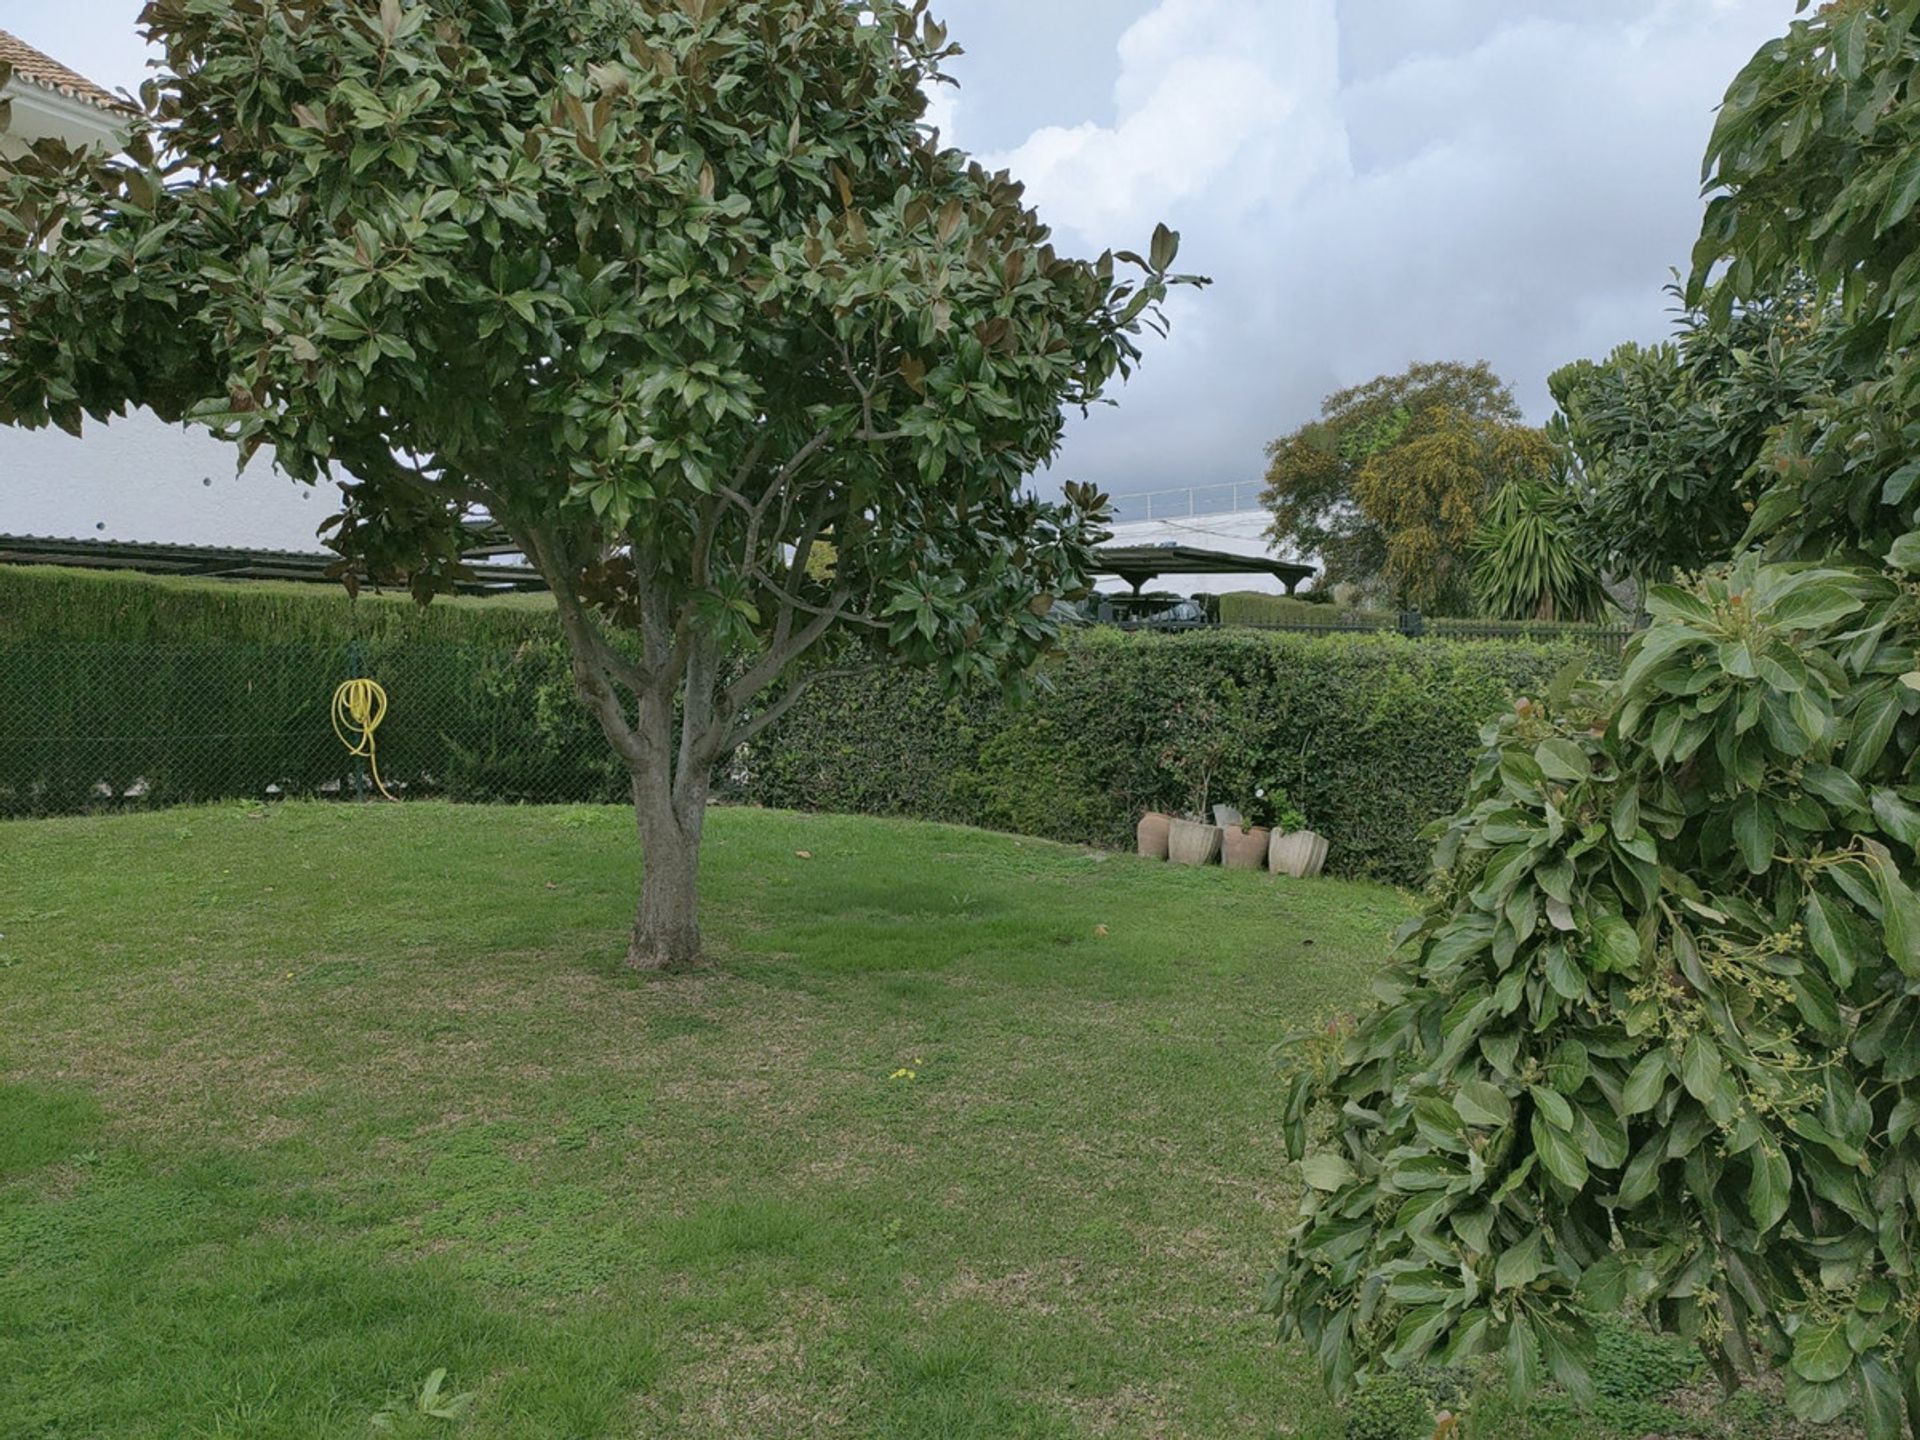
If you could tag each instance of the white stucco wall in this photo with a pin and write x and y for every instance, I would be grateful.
(137, 478)
(41, 114)
(142, 480)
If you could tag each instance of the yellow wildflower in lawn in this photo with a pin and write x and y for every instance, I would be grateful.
(902, 1074)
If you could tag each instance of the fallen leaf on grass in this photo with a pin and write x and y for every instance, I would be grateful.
(804, 854)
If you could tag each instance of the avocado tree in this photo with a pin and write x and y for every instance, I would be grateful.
(683, 294)
(1666, 439)
(1654, 1040)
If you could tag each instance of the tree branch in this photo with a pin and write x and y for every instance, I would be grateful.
(778, 657)
(792, 696)
(594, 661)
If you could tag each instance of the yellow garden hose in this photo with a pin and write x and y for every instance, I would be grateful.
(358, 708)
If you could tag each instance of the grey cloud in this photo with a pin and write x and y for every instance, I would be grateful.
(1460, 181)
(1371, 182)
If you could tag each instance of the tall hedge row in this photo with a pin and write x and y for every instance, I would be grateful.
(122, 690)
(1371, 735)
(45, 605)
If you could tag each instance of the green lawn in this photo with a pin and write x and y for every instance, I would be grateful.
(957, 1135)
(299, 1105)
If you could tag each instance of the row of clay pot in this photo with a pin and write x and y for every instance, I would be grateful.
(1298, 853)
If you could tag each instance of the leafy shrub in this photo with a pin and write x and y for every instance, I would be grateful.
(1634, 1372)
(1372, 737)
(1652, 1039)
(133, 689)
(87, 727)
(526, 738)
(1403, 1404)
(1317, 607)
(45, 605)
(130, 690)
(1656, 1039)
(207, 691)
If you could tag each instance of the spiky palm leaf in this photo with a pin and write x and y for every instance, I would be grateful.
(1528, 565)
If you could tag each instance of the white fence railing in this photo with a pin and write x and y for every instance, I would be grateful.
(1189, 500)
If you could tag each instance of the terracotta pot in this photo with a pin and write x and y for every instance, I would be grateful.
(1245, 849)
(1299, 853)
(1151, 835)
(1193, 842)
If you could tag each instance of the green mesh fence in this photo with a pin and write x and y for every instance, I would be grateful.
(99, 727)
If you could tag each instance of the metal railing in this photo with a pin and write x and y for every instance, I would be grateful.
(1187, 501)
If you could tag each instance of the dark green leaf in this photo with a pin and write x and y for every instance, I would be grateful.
(1821, 1351)
(1770, 1186)
(1701, 1068)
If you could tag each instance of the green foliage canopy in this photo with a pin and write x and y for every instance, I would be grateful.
(671, 291)
(1528, 561)
(1667, 439)
(1429, 491)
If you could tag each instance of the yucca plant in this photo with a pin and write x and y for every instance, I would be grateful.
(1528, 563)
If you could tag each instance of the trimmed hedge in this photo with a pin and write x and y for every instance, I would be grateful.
(202, 690)
(1372, 735)
(48, 605)
(94, 727)
(1256, 607)
(124, 690)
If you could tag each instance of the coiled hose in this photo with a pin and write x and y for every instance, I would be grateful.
(358, 708)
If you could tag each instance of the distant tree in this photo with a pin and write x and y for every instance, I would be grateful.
(1427, 492)
(1411, 537)
(672, 292)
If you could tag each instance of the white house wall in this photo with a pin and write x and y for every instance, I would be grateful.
(140, 479)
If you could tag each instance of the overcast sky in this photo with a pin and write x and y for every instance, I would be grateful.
(1369, 182)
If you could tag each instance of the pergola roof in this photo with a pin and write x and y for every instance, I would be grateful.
(221, 563)
(1137, 564)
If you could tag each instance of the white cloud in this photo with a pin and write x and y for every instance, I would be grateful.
(1204, 86)
(1381, 181)
(943, 112)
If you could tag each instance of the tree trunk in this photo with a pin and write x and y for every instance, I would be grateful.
(666, 929)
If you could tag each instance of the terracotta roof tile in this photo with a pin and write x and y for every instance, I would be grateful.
(35, 68)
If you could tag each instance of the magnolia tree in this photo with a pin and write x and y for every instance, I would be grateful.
(1654, 1042)
(683, 294)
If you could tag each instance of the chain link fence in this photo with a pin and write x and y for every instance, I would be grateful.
(102, 727)
(106, 727)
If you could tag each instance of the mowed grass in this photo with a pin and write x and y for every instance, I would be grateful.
(300, 1105)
